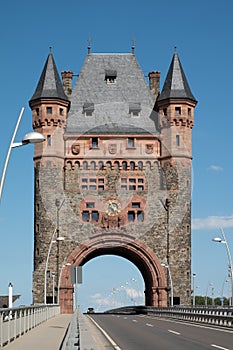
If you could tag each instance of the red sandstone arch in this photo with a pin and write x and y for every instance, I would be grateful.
(125, 246)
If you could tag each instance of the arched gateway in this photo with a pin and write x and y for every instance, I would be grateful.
(114, 175)
(124, 246)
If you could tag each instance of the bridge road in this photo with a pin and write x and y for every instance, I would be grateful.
(141, 332)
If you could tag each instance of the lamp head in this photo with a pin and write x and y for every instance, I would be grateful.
(217, 239)
(33, 137)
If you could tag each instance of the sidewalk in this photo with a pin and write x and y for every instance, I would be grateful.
(47, 336)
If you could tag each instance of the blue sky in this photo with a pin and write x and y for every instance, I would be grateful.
(202, 32)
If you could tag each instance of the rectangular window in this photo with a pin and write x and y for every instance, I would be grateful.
(131, 143)
(92, 187)
(37, 112)
(61, 111)
(178, 110)
(101, 187)
(131, 216)
(134, 109)
(48, 140)
(85, 216)
(101, 181)
(135, 205)
(140, 216)
(177, 140)
(49, 110)
(189, 111)
(95, 216)
(94, 142)
(165, 111)
(110, 76)
(90, 205)
(84, 187)
(133, 184)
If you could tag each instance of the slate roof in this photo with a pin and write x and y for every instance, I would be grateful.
(111, 102)
(49, 85)
(176, 84)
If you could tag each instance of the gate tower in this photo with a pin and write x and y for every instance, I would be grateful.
(114, 175)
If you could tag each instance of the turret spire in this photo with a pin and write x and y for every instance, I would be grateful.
(49, 85)
(176, 84)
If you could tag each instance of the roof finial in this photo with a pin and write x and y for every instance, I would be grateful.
(133, 46)
(175, 47)
(89, 46)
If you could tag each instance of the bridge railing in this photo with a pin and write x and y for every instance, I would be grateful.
(219, 316)
(17, 321)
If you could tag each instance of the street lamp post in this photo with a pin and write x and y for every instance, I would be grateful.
(170, 278)
(166, 206)
(194, 287)
(224, 241)
(32, 137)
(47, 262)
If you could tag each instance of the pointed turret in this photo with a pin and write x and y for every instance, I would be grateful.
(50, 106)
(176, 85)
(175, 106)
(49, 85)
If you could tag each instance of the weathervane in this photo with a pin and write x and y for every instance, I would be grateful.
(133, 45)
(89, 45)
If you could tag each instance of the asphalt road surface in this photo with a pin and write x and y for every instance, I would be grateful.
(142, 332)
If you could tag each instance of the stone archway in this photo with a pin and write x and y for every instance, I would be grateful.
(125, 246)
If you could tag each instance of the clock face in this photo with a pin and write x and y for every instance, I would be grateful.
(113, 207)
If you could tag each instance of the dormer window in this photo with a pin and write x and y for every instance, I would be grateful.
(88, 109)
(134, 109)
(110, 76)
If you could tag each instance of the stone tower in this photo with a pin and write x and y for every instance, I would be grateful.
(114, 175)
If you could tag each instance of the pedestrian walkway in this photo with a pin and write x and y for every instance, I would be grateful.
(47, 336)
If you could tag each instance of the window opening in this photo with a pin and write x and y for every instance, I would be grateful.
(49, 110)
(177, 140)
(131, 143)
(178, 110)
(110, 76)
(94, 142)
(48, 140)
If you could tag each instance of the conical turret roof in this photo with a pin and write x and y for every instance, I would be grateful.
(49, 85)
(176, 84)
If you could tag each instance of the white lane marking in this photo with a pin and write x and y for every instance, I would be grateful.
(125, 318)
(219, 347)
(174, 332)
(224, 330)
(135, 320)
(149, 325)
(116, 347)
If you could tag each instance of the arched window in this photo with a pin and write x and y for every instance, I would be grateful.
(93, 165)
(116, 165)
(85, 165)
(109, 165)
(148, 165)
(132, 165)
(124, 165)
(140, 165)
(101, 165)
(77, 164)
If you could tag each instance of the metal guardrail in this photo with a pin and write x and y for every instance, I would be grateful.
(213, 316)
(72, 338)
(17, 321)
